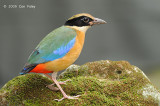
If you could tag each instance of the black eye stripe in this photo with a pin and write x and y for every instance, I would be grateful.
(86, 19)
(79, 21)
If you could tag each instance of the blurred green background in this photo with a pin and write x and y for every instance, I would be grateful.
(132, 32)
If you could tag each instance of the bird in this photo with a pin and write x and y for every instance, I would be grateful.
(60, 49)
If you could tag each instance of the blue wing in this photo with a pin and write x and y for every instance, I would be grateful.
(54, 46)
(60, 52)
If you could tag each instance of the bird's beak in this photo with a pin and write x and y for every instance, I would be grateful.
(97, 21)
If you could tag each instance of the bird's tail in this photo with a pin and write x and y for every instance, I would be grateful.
(27, 69)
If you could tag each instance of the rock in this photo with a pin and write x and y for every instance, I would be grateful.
(99, 83)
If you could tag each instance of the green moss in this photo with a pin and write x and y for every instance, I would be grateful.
(98, 83)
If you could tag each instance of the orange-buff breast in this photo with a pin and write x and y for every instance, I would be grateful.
(66, 61)
(70, 57)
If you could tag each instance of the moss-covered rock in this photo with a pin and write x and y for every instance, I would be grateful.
(98, 83)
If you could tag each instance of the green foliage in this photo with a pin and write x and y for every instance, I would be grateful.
(98, 83)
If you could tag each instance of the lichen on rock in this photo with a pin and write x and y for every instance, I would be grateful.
(99, 83)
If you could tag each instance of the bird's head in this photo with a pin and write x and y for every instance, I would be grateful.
(83, 21)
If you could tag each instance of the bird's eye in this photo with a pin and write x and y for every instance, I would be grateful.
(85, 19)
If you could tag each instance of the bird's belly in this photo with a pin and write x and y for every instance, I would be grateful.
(63, 63)
(69, 58)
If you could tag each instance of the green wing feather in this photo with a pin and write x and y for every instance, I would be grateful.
(54, 46)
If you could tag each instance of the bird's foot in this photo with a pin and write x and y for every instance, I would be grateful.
(68, 97)
(64, 82)
(51, 86)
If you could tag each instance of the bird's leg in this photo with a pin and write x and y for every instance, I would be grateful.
(48, 76)
(65, 96)
(51, 86)
(61, 82)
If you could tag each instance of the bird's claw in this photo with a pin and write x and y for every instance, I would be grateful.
(68, 97)
(64, 82)
(51, 87)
